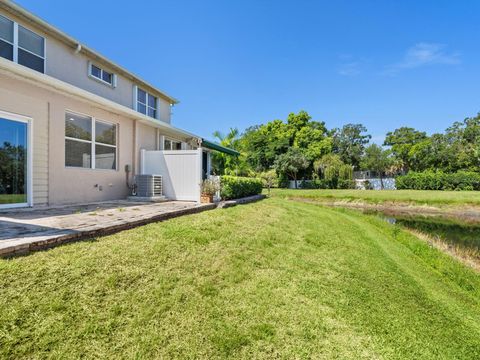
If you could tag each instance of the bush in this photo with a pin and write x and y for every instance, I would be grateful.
(438, 180)
(345, 184)
(235, 187)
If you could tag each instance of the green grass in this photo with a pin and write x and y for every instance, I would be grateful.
(274, 279)
(12, 198)
(417, 197)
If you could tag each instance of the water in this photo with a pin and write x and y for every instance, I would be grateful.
(456, 233)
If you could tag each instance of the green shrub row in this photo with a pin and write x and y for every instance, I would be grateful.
(438, 180)
(235, 187)
(328, 184)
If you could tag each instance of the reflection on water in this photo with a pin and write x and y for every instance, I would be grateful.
(451, 231)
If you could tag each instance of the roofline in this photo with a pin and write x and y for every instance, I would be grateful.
(16, 71)
(68, 40)
(214, 146)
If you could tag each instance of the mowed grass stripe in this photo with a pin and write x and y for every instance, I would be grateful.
(270, 279)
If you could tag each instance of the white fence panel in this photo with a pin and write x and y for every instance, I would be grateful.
(181, 172)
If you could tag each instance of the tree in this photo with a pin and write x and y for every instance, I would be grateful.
(377, 159)
(291, 163)
(269, 178)
(349, 143)
(332, 169)
(224, 163)
(401, 141)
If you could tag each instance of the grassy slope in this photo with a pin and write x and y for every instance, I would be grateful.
(275, 278)
(418, 197)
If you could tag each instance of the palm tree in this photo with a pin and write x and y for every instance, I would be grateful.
(223, 163)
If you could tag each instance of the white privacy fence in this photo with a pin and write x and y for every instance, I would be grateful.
(181, 171)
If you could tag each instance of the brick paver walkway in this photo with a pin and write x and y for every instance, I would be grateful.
(26, 230)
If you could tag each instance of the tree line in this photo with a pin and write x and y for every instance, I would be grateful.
(302, 148)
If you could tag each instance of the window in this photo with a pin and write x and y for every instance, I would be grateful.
(146, 103)
(21, 45)
(172, 145)
(102, 75)
(90, 143)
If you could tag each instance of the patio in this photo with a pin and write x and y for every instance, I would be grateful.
(25, 230)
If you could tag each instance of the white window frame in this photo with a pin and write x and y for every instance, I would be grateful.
(16, 46)
(113, 84)
(29, 121)
(136, 102)
(171, 143)
(93, 142)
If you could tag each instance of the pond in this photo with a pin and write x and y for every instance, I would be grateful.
(462, 236)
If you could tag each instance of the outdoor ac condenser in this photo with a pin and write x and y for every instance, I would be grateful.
(149, 185)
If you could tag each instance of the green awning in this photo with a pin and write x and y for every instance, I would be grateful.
(214, 146)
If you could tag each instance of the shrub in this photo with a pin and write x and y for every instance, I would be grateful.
(345, 184)
(210, 187)
(234, 187)
(438, 180)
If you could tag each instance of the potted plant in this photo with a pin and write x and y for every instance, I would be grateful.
(208, 189)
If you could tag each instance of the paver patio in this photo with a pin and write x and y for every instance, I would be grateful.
(25, 230)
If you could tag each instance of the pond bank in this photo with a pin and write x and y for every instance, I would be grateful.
(455, 231)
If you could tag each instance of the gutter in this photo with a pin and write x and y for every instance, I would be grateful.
(217, 147)
(19, 11)
(22, 73)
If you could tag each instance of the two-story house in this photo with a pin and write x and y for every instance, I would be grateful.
(73, 123)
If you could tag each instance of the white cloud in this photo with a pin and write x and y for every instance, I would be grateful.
(349, 69)
(423, 54)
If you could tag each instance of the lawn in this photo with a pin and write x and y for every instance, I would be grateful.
(274, 279)
(417, 197)
(12, 198)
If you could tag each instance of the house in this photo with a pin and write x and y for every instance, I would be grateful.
(74, 125)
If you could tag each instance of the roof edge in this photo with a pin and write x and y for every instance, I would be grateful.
(67, 39)
(13, 70)
(217, 147)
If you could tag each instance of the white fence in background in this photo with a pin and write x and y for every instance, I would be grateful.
(181, 171)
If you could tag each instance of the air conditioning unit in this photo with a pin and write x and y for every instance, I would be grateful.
(149, 185)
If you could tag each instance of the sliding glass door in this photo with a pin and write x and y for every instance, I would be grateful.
(13, 162)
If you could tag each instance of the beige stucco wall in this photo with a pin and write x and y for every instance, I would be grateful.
(14, 98)
(62, 63)
(53, 183)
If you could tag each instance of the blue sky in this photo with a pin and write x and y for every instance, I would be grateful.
(240, 63)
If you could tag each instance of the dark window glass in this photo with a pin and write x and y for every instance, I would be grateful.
(142, 108)
(106, 76)
(152, 112)
(142, 96)
(78, 154)
(29, 60)
(78, 126)
(105, 157)
(152, 101)
(6, 29)
(105, 133)
(167, 145)
(178, 146)
(13, 164)
(30, 41)
(97, 72)
(6, 50)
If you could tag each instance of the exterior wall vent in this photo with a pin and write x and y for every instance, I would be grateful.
(149, 185)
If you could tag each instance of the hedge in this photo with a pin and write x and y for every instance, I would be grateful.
(235, 187)
(438, 180)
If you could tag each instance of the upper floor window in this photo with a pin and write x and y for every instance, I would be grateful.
(90, 143)
(21, 45)
(102, 75)
(172, 145)
(147, 103)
